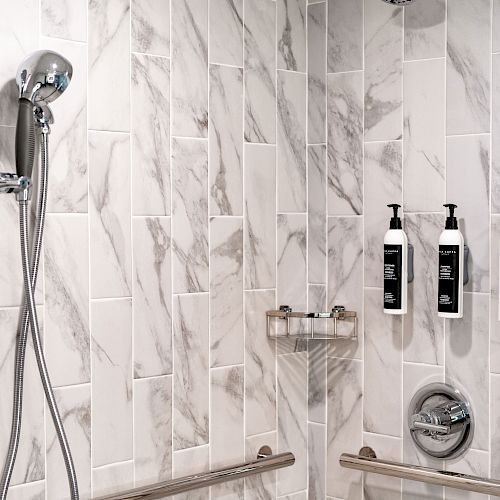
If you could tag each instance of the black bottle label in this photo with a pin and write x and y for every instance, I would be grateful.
(449, 278)
(393, 267)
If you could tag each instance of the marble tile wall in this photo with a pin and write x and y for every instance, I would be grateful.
(183, 204)
(402, 107)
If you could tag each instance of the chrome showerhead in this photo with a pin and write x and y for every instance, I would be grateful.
(43, 76)
(399, 2)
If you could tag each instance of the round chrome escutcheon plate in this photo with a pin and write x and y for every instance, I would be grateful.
(429, 402)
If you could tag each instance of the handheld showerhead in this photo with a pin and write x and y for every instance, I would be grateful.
(42, 77)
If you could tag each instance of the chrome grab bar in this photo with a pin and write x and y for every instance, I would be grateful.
(368, 462)
(265, 462)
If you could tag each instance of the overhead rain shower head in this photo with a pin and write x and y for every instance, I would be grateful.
(399, 2)
(43, 76)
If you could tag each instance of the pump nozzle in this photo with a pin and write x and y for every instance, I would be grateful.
(451, 220)
(395, 221)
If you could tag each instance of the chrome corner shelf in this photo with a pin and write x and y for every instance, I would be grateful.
(308, 330)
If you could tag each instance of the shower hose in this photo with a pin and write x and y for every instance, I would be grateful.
(29, 318)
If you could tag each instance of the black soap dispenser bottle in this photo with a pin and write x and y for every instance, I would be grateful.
(451, 268)
(395, 266)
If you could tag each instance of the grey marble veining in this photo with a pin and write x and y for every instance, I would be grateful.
(316, 372)
(153, 430)
(112, 410)
(468, 158)
(317, 461)
(192, 461)
(190, 215)
(152, 297)
(150, 135)
(67, 343)
(383, 185)
(109, 60)
(291, 142)
(383, 75)
(226, 291)
(110, 215)
(473, 462)
(189, 68)
(112, 478)
(260, 67)
(260, 213)
(75, 409)
(151, 27)
(495, 421)
(424, 141)
(291, 23)
(345, 143)
(191, 371)
(65, 19)
(317, 212)
(423, 329)
(495, 136)
(425, 30)
(316, 72)
(468, 67)
(226, 140)
(494, 294)
(226, 32)
(345, 35)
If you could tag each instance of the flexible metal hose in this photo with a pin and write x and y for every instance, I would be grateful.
(22, 335)
(37, 344)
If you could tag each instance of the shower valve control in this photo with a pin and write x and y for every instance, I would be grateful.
(447, 418)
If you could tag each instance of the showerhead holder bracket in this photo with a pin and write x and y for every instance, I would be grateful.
(13, 184)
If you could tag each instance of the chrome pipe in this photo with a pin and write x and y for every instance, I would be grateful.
(205, 479)
(420, 474)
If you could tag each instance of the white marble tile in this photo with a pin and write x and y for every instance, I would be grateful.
(260, 486)
(226, 32)
(109, 216)
(383, 74)
(425, 30)
(260, 364)
(344, 426)
(345, 143)
(495, 296)
(192, 461)
(424, 140)
(152, 430)
(28, 491)
(416, 376)
(468, 73)
(64, 19)
(383, 185)
(292, 183)
(30, 464)
(226, 291)
(151, 27)
(19, 35)
(495, 137)
(260, 71)
(150, 135)
(68, 156)
(316, 372)
(189, 68)
(316, 72)
(317, 212)
(191, 371)
(260, 222)
(467, 342)
(109, 64)
(190, 215)
(468, 185)
(383, 372)
(292, 260)
(226, 140)
(475, 463)
(112, 412)
(291, 34)
(152, 297)
(378, 487)
(227, 429)
(495, 424)
(345, 35)
(301, 495)
(292, 420)
(113, 478)
(496, 25)
(75, 411)
(423, 329)
(317, 461)
(345, 279)
(67, 343)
